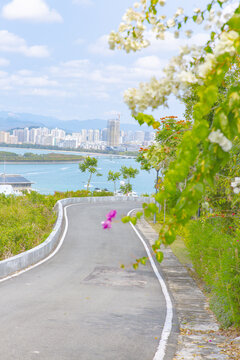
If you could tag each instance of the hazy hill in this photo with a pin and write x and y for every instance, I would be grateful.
(10, 121)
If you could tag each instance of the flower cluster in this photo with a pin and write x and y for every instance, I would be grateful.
(130, 35)
(224, 45)
(218, 138)
(236, 185)
(107, 224)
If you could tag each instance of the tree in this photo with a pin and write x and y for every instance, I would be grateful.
(127, 174)
(114, 176)
(89, 165)
(204, 149)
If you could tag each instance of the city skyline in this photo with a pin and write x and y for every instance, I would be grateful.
(97, 139)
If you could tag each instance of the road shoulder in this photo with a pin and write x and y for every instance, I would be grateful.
(199, 336)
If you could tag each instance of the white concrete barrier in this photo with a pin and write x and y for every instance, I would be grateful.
(33, 256)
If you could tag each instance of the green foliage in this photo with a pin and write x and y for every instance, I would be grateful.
(127, 174)
(30, 157)
(114, 176)
(26, 221)
(216, 259)
(89, 165)
(126, 188)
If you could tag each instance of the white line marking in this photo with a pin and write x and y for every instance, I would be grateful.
(49, 256)
(161, 350)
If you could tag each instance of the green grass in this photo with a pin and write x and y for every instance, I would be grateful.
(178, 247)
(26, 221)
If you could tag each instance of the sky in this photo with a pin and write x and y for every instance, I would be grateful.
(55, 61)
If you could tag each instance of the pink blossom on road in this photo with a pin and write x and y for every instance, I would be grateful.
(112, 214)
(106, 224)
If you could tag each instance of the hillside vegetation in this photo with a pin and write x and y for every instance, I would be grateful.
(30, 157)
(26, 221)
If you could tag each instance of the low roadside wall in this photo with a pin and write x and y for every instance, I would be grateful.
(33, 256)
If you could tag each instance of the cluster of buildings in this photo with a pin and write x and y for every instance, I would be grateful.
(97, 139)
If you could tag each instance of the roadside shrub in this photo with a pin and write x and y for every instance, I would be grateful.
(26, 221)
(215, 256)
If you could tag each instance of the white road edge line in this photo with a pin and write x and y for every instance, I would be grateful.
(161, 350)
(49, 256)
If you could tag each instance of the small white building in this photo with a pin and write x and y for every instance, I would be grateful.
(17, 182)
(6, 190)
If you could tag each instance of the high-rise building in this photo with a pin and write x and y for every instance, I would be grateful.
(104, 134)
(19, 133)
(96, 136)
(113, 133)
(26, 135)
(90, 135)
(84, 135)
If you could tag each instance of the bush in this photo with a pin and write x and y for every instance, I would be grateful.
(215, 256)
(27, 220)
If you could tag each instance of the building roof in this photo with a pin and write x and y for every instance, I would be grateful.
(13, 179)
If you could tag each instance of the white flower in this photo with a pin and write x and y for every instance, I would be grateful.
(136, 5)
(197, 10)
(188, 33)
(218, 138)
(236, 190)
(199, 19)
(179, 12)
(187, 77)
(176, 34)
(207, 66)
(171, 23)
(226, 43)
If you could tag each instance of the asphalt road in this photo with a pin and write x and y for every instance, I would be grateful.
(80, 305)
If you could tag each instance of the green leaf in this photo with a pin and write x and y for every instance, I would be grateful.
(139, 214)
(234, 22)
(144, 118)
(159, 256)
(170, 236)
(133, 220)
(194, 18)
(209, 7)
(135, 266)
(213, 35)
(153, 208)
(126, 219)
(143, 260)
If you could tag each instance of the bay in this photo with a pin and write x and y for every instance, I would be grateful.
(48, 178)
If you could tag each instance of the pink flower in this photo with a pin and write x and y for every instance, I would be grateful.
(106, 224)
(112, 214)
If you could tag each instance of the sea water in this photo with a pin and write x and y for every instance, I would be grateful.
(48, 178)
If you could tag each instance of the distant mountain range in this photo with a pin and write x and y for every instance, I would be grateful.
(9, 121)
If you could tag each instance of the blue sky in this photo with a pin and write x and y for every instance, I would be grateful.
(54, 58)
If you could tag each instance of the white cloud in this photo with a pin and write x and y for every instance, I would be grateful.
(149, 62)
(83, 2)
(10, 42)
(4, 62)
(101, 47)
(47, 92)
(32, 10)
(171, 44)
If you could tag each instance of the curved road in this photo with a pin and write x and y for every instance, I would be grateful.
(80, 305)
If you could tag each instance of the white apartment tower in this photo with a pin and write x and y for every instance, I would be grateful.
(113, 132)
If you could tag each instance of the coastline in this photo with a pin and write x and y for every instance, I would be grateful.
(83, 153)
(9, 162)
